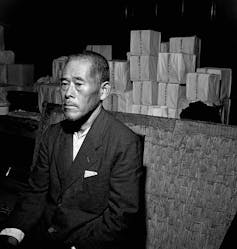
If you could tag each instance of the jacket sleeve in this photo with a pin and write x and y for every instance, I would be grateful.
(112, 227)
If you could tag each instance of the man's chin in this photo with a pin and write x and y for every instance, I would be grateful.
(72, 116)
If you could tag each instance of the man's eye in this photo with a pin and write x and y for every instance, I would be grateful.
(64, 83)
(78, 84)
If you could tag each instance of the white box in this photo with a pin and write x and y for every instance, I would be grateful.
(149, 92)
(164, 112)
(158, 111)
(143, 68)
(203, 87)
(145, 42)
(172, 95)
(225, 79)
(136, 109)
(137, 92)
(173, 67)
(174, 113)
(188, 45)
(57, 68)
(104, 50)
(49, 92)
(125, 102)
(119, 74)
(145, 92)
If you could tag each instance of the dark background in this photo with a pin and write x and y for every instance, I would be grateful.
(39, 31)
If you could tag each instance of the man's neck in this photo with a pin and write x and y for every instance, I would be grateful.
(83, 123)
(91, 118)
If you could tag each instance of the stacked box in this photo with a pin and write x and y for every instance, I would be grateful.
(158, 111)
(105, 50)
(164, 111)
(173, 67)
(20, 74)
(171, 95)
(225, 79)
(49, 92)
(110, 103)
(140, 109)
(145, 92)
(143, 67)
(125, 102)
(2, 41)
(143, 56)
(119, 101)
(119, 74)
(7, 57)
(3, 73)
(57, 67)
(203, 87)
(145, 42)
(187, 45)
(137, 92)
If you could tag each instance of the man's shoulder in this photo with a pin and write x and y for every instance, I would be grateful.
(117, 127)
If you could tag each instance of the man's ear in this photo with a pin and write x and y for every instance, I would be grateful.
(105, 89)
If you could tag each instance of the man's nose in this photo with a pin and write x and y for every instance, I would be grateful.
(71, 90)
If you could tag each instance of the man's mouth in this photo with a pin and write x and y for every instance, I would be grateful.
(69, 106)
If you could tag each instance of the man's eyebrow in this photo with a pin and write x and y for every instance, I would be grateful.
(74, 79)
(78, 78)
(63, 78)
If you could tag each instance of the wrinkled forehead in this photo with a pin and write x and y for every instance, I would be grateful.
(78, 64)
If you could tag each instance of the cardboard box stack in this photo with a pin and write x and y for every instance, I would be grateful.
(224, 89)
(174, 63)
(11, 73)
(188, 45)
(203, 87)
(225, 80)
(120, 98)
(48, 88)
(143, 57)
(57, 68)
(6, 57)
(159, 78)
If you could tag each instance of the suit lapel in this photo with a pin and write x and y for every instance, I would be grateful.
(64, 155)
(89, 153)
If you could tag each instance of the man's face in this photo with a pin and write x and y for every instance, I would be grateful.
(80, 92)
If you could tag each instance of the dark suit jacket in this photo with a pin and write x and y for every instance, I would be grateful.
(94, 212)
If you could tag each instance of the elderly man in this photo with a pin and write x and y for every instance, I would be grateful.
(84, 190)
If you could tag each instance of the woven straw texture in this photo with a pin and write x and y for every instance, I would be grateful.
(190, 181)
